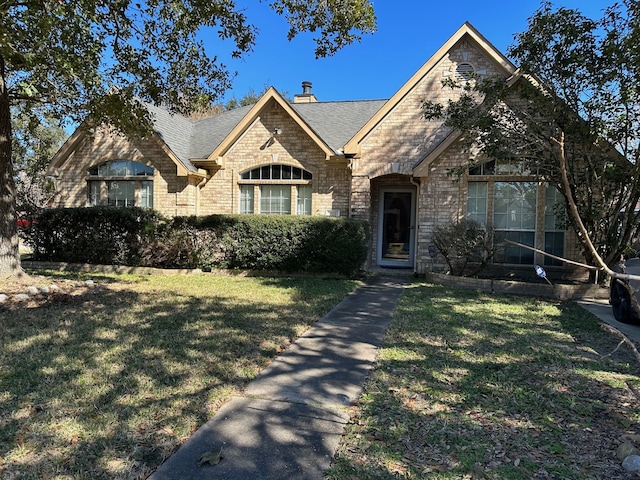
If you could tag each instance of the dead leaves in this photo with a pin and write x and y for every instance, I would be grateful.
(211, 457)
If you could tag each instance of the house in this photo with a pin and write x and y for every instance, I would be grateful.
(378, 160)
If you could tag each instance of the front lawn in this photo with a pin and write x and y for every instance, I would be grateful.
(478, 386)
(106, 380)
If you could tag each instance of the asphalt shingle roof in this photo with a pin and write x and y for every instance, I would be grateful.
(210, 132)
(337, 122)
(334, 122)
(175, 130)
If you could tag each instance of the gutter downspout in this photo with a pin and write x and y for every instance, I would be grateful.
(416, 183)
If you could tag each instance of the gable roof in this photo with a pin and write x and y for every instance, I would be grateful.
(174, 132)
(337, 127)
(208, 133)
(465, 31)
(329, 124)
(421, 169)
(270, 96)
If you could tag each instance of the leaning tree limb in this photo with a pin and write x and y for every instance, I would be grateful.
(624, 340)
(573, 210)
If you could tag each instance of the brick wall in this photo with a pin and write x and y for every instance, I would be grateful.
(401, 141)
(389, 154)
(544, 290)
(172, 195)
(330, 184)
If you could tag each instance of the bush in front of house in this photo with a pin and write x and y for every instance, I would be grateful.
(280, 242)
(183, 246)
(465, 245)
(296, 244)
(102, 235)
(133, 236)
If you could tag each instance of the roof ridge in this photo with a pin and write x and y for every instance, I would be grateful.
(342, 101)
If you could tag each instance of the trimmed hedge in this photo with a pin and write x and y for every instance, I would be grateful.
(133, 236)
(102, 235)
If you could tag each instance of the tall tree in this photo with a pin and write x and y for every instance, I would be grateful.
(572, 114)
(35, 141)
(248, 98)
(91, 60)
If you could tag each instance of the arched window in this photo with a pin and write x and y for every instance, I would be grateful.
(121, 183)
(276, 188)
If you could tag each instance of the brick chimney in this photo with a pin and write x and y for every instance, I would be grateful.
(306, 96)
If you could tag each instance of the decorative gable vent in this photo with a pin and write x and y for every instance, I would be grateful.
(464, 72)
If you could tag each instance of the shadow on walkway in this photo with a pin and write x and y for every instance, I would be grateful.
(290, 422)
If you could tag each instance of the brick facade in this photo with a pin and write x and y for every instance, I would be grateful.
(173, 195)
(393, 152)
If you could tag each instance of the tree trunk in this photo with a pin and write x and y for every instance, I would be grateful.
(9, 245)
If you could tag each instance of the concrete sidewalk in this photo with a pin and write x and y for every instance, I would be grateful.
(290, 421)
(601, 309)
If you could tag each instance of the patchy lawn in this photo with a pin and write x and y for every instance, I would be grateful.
(471, 386)
(105, 381)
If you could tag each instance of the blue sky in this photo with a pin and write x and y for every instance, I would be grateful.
(409, 32)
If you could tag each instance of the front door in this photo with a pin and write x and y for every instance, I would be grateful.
(396, 227)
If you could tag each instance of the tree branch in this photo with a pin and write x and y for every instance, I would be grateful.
(624, 339)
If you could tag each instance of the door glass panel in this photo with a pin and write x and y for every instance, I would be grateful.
(396, 226)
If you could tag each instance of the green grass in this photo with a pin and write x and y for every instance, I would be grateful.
(108, 383)
(470, 385)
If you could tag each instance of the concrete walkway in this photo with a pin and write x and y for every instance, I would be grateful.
(290, 421)
(601, 309)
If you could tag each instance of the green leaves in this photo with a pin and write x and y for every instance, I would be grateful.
(580, 80)
(340, 22)
(27, 89)
(70, 54)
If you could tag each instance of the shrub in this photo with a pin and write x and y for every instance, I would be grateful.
(465, 245)
(181, 247)
(303, 244)
(258, 242)
(104, 235)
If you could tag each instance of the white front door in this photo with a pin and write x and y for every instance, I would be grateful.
(396, 227)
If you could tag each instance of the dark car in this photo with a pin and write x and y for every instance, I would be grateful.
(619, 299)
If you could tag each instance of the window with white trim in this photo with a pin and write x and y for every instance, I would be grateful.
(275, 199)
(246, 198)
(278, 188)
(120, 183)
(477, 202)
(304, 200)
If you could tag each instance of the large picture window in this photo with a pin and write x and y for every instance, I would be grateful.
(121, 193)
(275, 199)
(514, 209)
(120, 183)
(280, 190)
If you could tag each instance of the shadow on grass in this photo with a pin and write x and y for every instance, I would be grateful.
(484, 386)
(109, 383)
